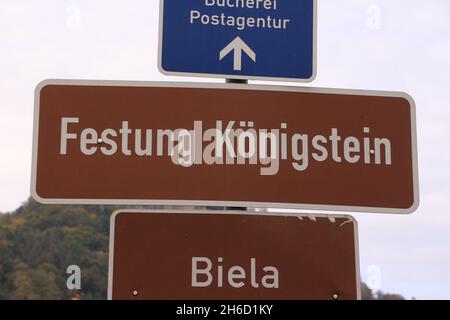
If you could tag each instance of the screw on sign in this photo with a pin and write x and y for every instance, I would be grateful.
(198, 255)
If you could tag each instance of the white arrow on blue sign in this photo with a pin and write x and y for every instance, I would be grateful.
(239, 39)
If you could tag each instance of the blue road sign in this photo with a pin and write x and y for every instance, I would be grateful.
(239, 39)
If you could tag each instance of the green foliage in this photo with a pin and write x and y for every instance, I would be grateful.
(38, 242)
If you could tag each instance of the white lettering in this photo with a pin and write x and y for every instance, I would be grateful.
(65, 135)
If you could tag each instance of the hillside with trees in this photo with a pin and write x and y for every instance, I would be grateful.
(38, 242)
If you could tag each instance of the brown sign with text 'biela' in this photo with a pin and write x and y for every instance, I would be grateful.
(234, 145)
(159, 255)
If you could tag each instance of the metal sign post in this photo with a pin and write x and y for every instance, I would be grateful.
(260, 40)
(202, 255)
(225, 145)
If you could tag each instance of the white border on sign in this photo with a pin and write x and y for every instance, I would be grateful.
(209, 212)
(232, 76)
(315, 207)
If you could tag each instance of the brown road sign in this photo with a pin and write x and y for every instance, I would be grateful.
(203, 256)
(233, 145)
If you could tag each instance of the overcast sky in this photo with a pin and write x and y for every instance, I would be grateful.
(399, 45)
